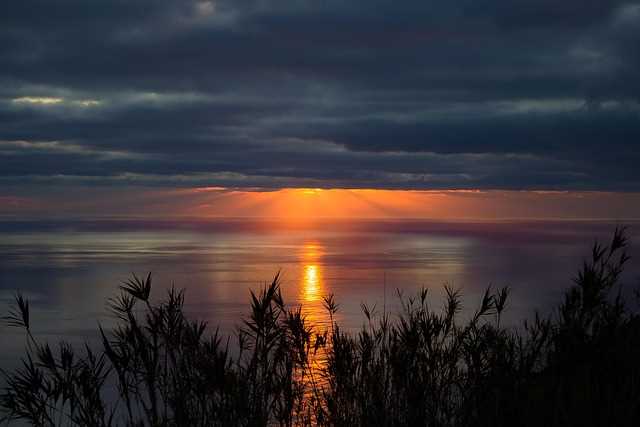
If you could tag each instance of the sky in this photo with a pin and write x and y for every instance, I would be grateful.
(528, 108)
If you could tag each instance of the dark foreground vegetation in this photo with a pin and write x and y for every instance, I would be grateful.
(579, 367)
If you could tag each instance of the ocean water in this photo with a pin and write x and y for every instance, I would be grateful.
(69, 270)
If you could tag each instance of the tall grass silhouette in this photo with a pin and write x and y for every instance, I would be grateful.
(579, 366)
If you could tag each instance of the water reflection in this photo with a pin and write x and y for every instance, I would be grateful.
(311, 283)
(312, 288)
(58, 268)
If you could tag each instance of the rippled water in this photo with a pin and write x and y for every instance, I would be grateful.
(70, 270)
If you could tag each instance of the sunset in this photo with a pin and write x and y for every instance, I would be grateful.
(318, 203)
(319, 213)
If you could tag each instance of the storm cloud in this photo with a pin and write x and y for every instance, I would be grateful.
(524, 94)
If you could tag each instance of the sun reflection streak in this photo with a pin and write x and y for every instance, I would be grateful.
(312, 290)
(311, 286)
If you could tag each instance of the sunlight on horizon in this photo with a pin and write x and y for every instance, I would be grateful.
(304, 205)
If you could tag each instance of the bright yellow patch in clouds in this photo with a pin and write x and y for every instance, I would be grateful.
(51, 100)
(88, 102)
(44, 100)
(205, 8)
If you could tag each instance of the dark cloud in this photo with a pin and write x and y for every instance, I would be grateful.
(472, 94)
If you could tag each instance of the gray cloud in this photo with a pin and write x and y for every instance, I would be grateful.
(503, 95)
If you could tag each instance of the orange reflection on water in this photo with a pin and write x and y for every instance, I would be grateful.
(311, 283)
(312, 290)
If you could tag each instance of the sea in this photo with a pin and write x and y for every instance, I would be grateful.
(69, 269)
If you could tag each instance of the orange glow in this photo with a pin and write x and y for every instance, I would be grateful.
(313, 203)
(311, 286)
(311, 283)
(305, 205)
(308, 204)
(311, 293)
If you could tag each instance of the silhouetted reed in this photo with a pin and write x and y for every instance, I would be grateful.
(578, 366)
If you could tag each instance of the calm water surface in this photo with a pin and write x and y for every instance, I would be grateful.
(70, 270)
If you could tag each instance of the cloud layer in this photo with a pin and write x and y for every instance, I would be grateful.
(486, 94)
